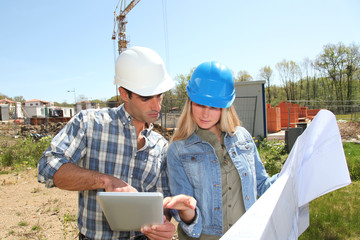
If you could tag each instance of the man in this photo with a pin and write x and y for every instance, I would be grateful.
(115, 149)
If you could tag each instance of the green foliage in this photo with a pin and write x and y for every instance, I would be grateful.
(332, 76)
(243, 76)
(335, 215)
(24, 153)
(273, 154)
(352, 153)
(23, 224)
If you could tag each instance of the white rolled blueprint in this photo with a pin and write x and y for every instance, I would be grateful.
(315, 166)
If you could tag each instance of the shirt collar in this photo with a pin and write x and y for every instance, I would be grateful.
(126, 119)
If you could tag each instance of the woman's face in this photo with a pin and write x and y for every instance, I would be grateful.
(206, 117)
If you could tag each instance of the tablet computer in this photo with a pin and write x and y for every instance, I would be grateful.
(129, 211)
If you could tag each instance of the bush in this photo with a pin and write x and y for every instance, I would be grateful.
(273, 155)
(24, 153)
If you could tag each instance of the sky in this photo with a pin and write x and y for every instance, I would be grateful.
(59, 51)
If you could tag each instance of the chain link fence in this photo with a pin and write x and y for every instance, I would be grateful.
(172, 108)
(344, 110)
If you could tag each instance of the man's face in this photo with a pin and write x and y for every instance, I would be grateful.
(143, 109)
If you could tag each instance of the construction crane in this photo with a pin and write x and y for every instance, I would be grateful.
(120, 22)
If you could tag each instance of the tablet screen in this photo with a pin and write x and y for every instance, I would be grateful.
(127, 211)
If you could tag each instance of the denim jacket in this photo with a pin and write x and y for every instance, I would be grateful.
(195, 170)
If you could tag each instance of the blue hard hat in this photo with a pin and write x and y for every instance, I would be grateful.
(212, 84)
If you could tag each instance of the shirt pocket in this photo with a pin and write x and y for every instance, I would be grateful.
(245, 150)
(198, 169)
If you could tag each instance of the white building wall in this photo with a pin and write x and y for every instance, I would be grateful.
(68, 111)
(19, 113)
(39, 111)
(33, 104)
(34, 111)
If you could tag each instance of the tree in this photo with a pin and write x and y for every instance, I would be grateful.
(176, 97)
(289, 73)
(2, 96)
(19, 99)
(352, 67)
(333, 62)
(266, 73)
(182, 81)
(243, 76)
(82, 98)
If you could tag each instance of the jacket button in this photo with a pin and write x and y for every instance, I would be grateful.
(247, 198)
(193, 158)
(244, 174)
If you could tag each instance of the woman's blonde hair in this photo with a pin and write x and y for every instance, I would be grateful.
(186, 124)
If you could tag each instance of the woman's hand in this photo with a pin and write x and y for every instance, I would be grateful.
(184, 204)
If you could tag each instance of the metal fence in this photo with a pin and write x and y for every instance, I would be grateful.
(344, 110)
(172, 108)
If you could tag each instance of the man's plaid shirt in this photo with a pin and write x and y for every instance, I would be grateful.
(105, 141)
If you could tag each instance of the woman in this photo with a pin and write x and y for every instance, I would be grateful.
(212, 158)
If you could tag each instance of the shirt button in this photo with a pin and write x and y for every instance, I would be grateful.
(193, 158)
(247, 198)
(229, 188)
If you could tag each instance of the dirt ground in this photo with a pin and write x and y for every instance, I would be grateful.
(31, 211)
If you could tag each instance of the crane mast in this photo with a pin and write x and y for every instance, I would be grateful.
(120, 22)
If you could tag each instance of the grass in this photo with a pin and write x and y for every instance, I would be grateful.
(335, 215)
(348, 117)
(352, 154)
(23, 223)
(24, 153)
(332, 216)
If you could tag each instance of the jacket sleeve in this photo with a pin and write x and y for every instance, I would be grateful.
(180, 184)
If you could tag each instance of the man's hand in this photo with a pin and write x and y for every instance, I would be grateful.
(184, 204)
(113, 184)
(160, 232)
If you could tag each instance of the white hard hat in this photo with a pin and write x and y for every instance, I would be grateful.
(142, 71)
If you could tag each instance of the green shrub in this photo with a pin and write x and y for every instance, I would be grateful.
(24, 153)
(273, 155)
